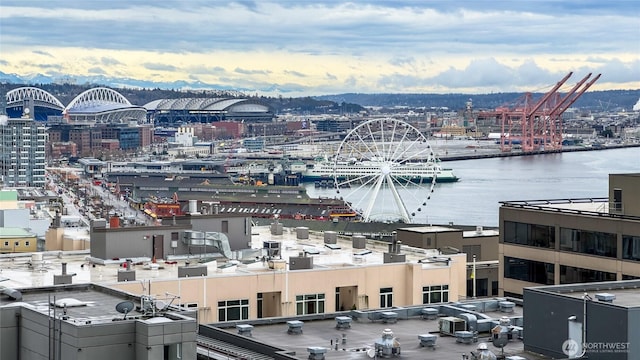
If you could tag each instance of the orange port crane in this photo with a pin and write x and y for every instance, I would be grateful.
(538, 125)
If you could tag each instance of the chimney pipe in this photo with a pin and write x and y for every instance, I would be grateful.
(64, 268)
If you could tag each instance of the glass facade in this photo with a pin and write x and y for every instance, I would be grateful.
(572, 274)
(309, 304)
(529, 234)
(435, 294)
(231, 310)
(631, 247)
(588, 242)
(529, 270)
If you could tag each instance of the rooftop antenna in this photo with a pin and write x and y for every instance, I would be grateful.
(125, 307)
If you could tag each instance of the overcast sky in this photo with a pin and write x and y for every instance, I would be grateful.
(299, 48)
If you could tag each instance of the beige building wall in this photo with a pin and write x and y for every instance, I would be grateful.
(18, 244)
(628, 184)
(57, 240)
(53, 239)
(72, 244)
(363, 282)
(437, 237)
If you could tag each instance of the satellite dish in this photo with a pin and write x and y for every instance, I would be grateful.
(371, 353)
(125, 307)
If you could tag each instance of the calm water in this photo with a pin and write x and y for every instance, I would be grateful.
(474, 200)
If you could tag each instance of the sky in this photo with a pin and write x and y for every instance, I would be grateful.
(307, 48)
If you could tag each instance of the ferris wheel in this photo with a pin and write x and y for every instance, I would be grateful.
(386, 170)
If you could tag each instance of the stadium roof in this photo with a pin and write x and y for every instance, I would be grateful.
(103, 105)
(207, 104)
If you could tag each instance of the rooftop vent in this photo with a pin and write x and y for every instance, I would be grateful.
(272, 248)
(605, 297)
(388, 345)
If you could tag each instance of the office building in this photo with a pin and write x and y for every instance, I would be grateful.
(565, 241)
(88, 321)
(594, 320)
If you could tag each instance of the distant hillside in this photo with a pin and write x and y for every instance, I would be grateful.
(593, 100)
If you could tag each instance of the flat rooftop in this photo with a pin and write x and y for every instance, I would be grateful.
(37, 269)
(626, 292)
(82, 304)
(596, 205)
(363, 334)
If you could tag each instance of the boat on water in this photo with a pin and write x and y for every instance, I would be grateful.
(323, 168)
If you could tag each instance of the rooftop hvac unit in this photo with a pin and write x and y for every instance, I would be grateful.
(449, 325)
(272, 248)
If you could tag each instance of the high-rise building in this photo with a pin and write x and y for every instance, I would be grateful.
(22, 151)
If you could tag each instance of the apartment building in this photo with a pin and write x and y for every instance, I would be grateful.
(565, 241)
(22, 152)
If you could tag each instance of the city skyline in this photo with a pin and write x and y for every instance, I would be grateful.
(324, 47)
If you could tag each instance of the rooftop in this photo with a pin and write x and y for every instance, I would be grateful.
(625, 293)
(82, 304)
(584, 206)
(14, 232)
(363, 334)
(37, 269)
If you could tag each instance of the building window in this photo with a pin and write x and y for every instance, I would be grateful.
(386, 297)
(17, 243)
(528, 270)
(630, 277)
(26, 243)
(631, 247)
(309, 304)
(259, 304)
(529, 234)
(231, 310)
(617, 200)
(435, 294)
(572, 274)
(225, 226)
(6, 243)
(588, 242)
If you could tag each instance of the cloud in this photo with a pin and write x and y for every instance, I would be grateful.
(56, 67)
(295, 73)
(108, 61)
(159, 67)
(252, 72)
(360, 45)
(39, 52)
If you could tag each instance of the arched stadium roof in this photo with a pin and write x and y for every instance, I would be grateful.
(40, 97)
(103, 105)
(207, 104)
